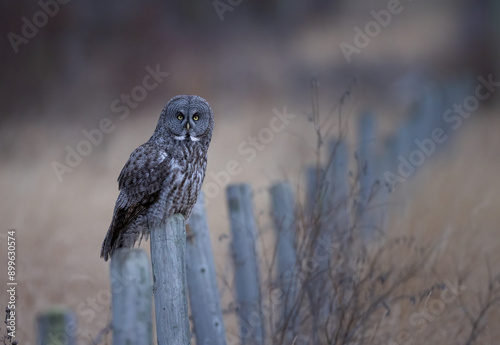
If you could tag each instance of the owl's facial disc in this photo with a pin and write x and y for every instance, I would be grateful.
(187, 125)
(188, 118)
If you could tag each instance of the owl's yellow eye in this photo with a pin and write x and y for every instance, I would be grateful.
(196, 117)
(180, 117)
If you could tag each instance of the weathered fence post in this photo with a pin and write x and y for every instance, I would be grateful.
(131, 297)
(317, 219)
(244, 234)
(430, 112)
(168, 245)
(337, 189)
(332, 222)
(366, 160)
(56, 326)
(283, 209)
(402, 144)
(202, 280)
(312, 199)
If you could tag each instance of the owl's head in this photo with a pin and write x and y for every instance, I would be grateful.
(188, 118)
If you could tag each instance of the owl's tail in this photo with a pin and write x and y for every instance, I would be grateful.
(107, 248)
(122, 233)
(113, 240)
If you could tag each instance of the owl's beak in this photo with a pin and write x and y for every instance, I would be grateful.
(187, 126)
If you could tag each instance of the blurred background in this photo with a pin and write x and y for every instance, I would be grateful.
(76, 72)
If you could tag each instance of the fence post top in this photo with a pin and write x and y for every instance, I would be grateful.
(54, 310)
(176, 218)
(237, 186)
(279, 185)
(126, 252)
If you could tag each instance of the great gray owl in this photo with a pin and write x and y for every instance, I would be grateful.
(163, 176)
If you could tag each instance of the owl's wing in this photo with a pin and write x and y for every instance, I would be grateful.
(140, 182)
(144, 173)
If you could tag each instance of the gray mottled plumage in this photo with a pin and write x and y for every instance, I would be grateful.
(163, 176)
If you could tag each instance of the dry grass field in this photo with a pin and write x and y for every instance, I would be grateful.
(452, 203)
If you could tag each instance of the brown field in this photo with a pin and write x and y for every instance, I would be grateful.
(60, 226)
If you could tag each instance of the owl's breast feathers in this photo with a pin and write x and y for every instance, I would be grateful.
(188, 166)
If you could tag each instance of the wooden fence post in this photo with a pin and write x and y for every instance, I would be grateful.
(244, 234)
(202, 280)
(316, 205)
(312, 200)
(57, 326)
(283, 210)
(131, 297)
(366, 160)
(333, 202)
(337, 189)
(168, 245)
(402, 144)
(430, 112)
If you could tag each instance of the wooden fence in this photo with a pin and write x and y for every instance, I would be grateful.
(183, 265)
